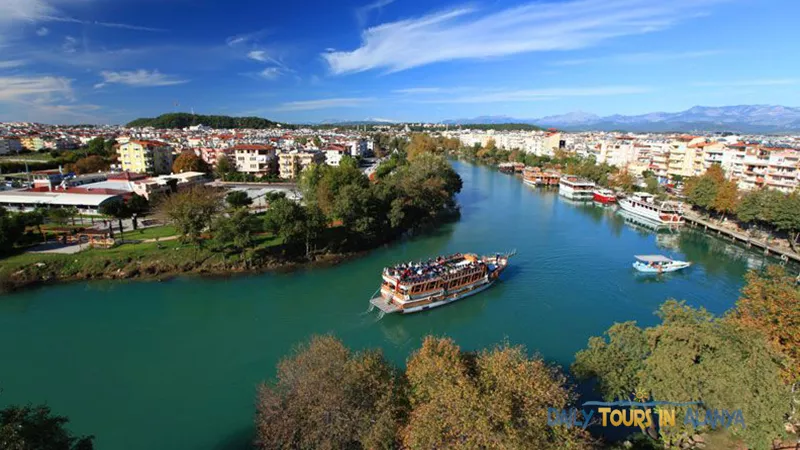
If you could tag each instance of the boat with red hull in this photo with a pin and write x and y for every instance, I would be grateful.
(605, 196)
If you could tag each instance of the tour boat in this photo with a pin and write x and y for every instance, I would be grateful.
(658, 264)
(413, 287)
(644, 204)
(534, 176)
(605, 196)
(575, 188)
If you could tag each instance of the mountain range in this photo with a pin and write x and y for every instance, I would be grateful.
(741, 119)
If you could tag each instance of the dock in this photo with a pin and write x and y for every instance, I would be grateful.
(696, 221)
(383, 305)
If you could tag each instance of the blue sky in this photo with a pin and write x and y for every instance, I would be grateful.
(109, 61)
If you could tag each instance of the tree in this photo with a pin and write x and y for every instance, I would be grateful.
(224, 166)
(234, 232)
(188, 161)
(238, 199)
(421, 143)
(317, 142)
(360, 212)
(118, 210)
(327, 397)
(770, 302)
(727, 199)
(294, 223)
(693, 356)
(58, 216)
(96, 146)
(702, 191)
(138, 204)
(786, 217)
(624, 181)
(11, 230)
(494, 399)
(90, 164)
(191, 211)
(749, 208)
(36, 428)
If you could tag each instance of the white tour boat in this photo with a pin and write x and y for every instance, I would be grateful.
(645, 205)
(575, 188)
(658, 264)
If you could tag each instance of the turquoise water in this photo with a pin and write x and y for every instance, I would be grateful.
(148, 365)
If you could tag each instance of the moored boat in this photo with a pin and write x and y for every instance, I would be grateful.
(658, 264)
(574, 188)
(414, 287)
(605, 196)
(645, 205)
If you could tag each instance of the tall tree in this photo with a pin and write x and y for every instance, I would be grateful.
(294, 223)
(90, 164)
(11, 230)
(36, 428)
(224, 167)
(326, 397)
(786, 217)
(727, 199)
(188, 161)
(116, 209)
(238, 199)
(191, 211)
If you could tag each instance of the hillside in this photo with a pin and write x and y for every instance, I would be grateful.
(183, 120)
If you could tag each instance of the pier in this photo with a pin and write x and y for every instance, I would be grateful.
(696, 221)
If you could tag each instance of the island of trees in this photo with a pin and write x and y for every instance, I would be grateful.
(184, 120)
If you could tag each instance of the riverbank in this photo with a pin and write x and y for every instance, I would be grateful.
(158, 261)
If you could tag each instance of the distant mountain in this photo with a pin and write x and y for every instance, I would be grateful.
(741, 118)
(184, 120)
(348, 123)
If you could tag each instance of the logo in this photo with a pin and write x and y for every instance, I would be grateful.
(643, 413)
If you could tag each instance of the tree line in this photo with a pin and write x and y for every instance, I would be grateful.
(184, 120)
(764, 208)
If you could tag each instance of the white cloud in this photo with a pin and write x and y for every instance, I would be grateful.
(138, 78)
(748, 83)
(527, 95)
(43, 31)
(258, 55)
(466, 33)
(12, 63)
(327, 103)
(38, 89)
(270, 73)
(418, 90)
(70, 45)
(640, 58)
(362, 14)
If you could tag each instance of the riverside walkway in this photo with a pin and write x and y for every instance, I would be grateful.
(695, 220)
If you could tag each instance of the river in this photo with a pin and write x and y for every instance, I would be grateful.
(173, 365)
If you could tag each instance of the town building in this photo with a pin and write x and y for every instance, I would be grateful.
(145, 156)
(10, 145)
(255, 159)
(293, 162)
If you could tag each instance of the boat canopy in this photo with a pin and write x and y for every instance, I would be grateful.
(653, 258)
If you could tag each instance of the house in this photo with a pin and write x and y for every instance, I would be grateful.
(256, 159)
(10, 145)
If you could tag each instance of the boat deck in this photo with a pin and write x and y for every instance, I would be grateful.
(380, 303)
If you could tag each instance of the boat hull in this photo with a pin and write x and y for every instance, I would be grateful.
(450, 299)
(644, 268)
(605, 199)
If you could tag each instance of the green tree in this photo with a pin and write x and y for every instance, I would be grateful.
(238, 199)
(693, 356)
(191, 211)
(294, 223)
(786, 217)
(36, 428)
(116, 209)
(494, 399)
(327, 397)
(224, 167)
(317, 142)
(750, 206)
(421, 143)
(11, 230)
(234, 232)
(96, 147)
(138, 204)
(360, 211)
(90, 164)
(59, 216)
(188, 161)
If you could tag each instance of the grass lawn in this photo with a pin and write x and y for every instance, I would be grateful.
(38, 157)
(151, 233)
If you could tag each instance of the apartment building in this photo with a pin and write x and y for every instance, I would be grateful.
(293, 162)
(255, 159)
(782, 169)
(9, 145)
(212, 155)
(145, 156)
(686, 156)
(32, 143)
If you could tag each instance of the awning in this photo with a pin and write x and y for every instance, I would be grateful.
(653, 258)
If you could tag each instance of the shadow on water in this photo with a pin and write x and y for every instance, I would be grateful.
(240, 440)
(651, 278)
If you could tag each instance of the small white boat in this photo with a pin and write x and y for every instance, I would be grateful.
(658, 264)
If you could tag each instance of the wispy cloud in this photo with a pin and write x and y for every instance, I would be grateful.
(418, 90)
(12, 64)
(70, 45)
(748, 83)
(362, 13)
(138, 78)
(240, 39)
(327, 103)
(38, 89)
(640, 58)
(527, 95)
(467, 33)
(43, 31)
(271, 73)
(44, 11)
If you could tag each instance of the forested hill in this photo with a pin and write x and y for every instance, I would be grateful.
(183, 120)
